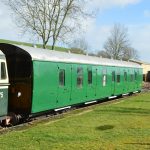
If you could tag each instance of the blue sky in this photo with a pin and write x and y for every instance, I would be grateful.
(129, 14)
(134, 14)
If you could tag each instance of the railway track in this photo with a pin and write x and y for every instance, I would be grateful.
(58, 115)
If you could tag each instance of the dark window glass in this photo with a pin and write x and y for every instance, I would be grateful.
(118, 78)
(62, 77)
(79, 77)
(113, 76)
(125, 76)
(3, 71)
(132, 77)
(89, 77)
(135, 74)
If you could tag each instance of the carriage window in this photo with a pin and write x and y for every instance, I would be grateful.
(132, 77)
(113, 76)
(3, 71)
(118, 78)
(135, 75)
(89, 77)
(104, 79)
(62, 77)
(79, 77)
(125, 76)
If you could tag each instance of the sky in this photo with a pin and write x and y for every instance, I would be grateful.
(133, 14)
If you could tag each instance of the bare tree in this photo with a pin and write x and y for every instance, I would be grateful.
(79, 46)
(118, 45)
(50, 20)
(130, 53)
(103, 54)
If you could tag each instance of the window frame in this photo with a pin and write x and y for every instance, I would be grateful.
(118, 78)
(4, 81)
(135, 75)
(125, 76)
(104, 77)
(113, 76)
(132, 77)
(90, 77)
(4, 76)
(62, 77)
(79, 77)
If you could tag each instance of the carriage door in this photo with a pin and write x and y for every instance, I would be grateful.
(135, 78)
(113, 82)
(64, 85)
(91, 83)
(125, 86)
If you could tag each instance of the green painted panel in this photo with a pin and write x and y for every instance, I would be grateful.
(103, 88)
(106, 88)
(140, 78)
(3, 101)
(45, 87)
(124, 80)
(64, 88)
(113, 80)
(92, 85)
(117, 84)
(48, 93)
(131, 81)
(109, 80)
(99, 93)
(79, 92)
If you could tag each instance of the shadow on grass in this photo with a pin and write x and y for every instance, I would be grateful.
(125, 110)
(105, 127)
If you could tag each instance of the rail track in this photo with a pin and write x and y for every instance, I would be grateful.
(60, 114)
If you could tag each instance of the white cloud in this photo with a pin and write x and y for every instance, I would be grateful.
(140, 35)
(6, 24)
(8, 29)
(97, 35)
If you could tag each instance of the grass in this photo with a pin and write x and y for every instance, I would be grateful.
(29, 44)
(123, 125)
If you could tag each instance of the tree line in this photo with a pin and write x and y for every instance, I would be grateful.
(117, 45)
(54, 20)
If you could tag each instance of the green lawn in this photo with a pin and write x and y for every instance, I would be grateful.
(123, 125)
(29, 44)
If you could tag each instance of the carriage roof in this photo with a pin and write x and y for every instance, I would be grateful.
(57, 56)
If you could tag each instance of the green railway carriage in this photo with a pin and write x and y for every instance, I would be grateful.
(42, 80)
(3, 87)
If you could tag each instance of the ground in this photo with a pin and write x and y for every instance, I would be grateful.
(122, 125)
